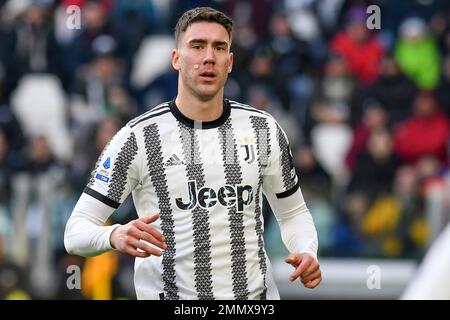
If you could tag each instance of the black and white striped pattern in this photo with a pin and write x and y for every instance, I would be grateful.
(121, 165)
(214, 251)
(156, 168)
(158, 110)
(261, 129)
(286, 160)
(233, 176)
(200, 220)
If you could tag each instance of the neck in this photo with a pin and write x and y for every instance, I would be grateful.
(200, 110)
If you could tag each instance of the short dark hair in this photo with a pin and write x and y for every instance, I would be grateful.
(203, 14)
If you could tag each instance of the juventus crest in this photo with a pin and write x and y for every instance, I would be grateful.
(249, 152)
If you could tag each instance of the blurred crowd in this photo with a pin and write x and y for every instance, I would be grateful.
(366, 111)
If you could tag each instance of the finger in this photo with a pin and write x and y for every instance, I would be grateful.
(135, 253)
(313, 283)
(150, 219)
(304, 264)
(313, 267)
(144, 247)
(151, 230)
(312, 276)
(150, 239)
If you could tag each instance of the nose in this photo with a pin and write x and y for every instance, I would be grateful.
(209, 55)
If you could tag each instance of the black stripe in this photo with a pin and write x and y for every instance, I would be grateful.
(287, 163)
(289, 192)
(262, 134)
(233, 176)
(200, 216)
(158, 107)
(246, 109)
(102, 198)
(157, 172)
(122, 163)
(149, 117)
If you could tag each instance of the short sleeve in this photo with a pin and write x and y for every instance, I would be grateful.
(280, 179)
(116, 172)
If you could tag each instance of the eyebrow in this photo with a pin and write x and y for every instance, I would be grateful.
(203, 41)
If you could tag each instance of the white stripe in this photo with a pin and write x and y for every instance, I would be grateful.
(154, 110)
(248, 107)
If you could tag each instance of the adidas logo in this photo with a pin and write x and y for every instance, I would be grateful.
(174, 161)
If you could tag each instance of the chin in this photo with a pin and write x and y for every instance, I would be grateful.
(207, 94)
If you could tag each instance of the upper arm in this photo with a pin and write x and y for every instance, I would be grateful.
(116, 172)
(280, 179)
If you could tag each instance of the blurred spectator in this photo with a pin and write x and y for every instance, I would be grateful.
(338, 85)
(417, 53)
(374, 118)
(33, 194)
(302, 18)
(316, 180)
(377, 164)
(14, 138)
(443, 90)
(426, 132)
(257, 13)
(361, 49)
(393, 90)
(5, 193)
(99, 87)
(289, 61)
(96, 23)
(4, 171)
(331, 139)
(440, 27)
(31, 47)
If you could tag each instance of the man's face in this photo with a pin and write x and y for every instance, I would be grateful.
(203, 59)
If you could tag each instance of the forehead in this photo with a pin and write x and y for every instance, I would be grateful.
(209, 31)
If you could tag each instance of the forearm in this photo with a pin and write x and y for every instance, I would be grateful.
(85, 233)
(297, 228)
(299, 233)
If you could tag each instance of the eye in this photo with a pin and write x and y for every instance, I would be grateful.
(196, 46)
(220, 48)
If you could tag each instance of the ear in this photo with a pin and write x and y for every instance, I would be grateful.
(176, 59)
(230, 62)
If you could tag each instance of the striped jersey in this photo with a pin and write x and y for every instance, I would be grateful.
(206, 179)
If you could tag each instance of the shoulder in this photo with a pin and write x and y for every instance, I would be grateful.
(150, 116)
(252, 112)
(245, 109)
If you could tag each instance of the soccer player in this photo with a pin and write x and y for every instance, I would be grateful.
(197, 167)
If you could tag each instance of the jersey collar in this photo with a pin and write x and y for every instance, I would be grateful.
(201, 124)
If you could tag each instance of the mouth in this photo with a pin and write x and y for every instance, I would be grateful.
(207, 75)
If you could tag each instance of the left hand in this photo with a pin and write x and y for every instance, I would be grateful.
(306, 267)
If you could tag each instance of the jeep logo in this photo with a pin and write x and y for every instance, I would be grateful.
(227, 196)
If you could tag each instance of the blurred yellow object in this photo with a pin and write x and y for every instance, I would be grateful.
(17, 294)
(392, 247)
(382, 217)
(97, 275)
(419, 232)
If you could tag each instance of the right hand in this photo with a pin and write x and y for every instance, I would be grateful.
(126, 238)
